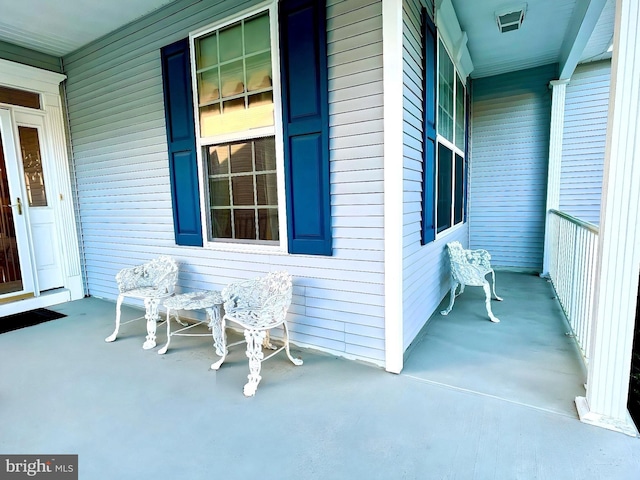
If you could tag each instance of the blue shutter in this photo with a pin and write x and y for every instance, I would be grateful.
(467, 139)
(305, 115)
(429, 129)
(181, 143)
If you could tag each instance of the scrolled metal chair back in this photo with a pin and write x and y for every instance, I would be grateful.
(160, 273)
(266, 298)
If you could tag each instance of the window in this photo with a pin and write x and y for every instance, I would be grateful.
(243, 190)
(236, 129)
(451, 140)
(251, 155)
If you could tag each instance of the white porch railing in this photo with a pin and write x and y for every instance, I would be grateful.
(572, 271)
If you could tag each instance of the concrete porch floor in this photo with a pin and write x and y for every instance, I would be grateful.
(528, 358)
(461, 408)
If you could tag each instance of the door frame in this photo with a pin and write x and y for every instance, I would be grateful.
(48, 86)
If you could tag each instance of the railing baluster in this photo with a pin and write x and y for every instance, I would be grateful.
(572, 272)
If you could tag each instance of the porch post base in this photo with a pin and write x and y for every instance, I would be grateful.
(625, 426)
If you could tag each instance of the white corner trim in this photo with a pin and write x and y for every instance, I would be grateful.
(587, 416)
(31, 78)
(393, 183)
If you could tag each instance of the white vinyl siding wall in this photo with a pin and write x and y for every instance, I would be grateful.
(425, 267)
(508, 176)
(120, 153)
(585, 132)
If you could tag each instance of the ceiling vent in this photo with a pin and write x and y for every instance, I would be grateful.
(511, 19)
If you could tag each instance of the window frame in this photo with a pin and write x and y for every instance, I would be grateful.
(450, 144)
(243, 245)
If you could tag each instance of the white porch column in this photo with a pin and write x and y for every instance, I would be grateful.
(555, 163)
(605, 404)
(393, 184)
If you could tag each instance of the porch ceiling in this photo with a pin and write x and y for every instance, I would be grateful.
(551, 29)
(58, 27)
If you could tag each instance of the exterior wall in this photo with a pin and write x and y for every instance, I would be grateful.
(425, 267)
(117, 127)
(584, 137)
(15, 53)
(510, 144)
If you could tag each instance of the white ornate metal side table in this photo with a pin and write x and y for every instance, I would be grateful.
(208, 300)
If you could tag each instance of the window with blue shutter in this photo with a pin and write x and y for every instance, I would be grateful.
(237, 129)
(445, 132)
(183, 167)
(305, 115)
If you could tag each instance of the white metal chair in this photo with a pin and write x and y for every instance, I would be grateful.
(151, 282)
(470, 267)
(258, 305)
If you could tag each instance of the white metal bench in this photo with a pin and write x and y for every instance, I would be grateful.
(470, 267)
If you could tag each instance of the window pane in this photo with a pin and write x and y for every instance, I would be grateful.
(221, 223)
(267, 189)
(209, 119)
(460, 114)
(208, 86)
(260, 113)
(258, 72)
(232, 79)
(445, 160)
(245, 224)
(208, 51)
(241, 158)
(242, 188)
(14, 96)
(231, 42)
(256, 34)
(32, 164)
(219, 192)
(459, 191)
(218, 159)
(445, 94)
(265, 154)
(268, 223)
(231, 106)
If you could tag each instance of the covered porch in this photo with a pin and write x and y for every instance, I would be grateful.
(522, 375)
(474, 401)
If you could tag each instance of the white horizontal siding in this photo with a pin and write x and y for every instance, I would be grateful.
(508, 181)
(116, 115)
(425, 267)
(26, 56)
(584, 137)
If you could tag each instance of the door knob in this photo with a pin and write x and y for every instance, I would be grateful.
(17, 204)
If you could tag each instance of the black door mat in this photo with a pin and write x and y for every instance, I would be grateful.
(27, 319)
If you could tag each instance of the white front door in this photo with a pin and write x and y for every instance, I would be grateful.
(16, 272)
(32, 241)
(39, 200)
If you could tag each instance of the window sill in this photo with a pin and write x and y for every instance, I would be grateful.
(246, 248)
(449, 231)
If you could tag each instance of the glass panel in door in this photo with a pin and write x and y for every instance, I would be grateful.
(10, 274)
(16, 271)
(32, 164)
